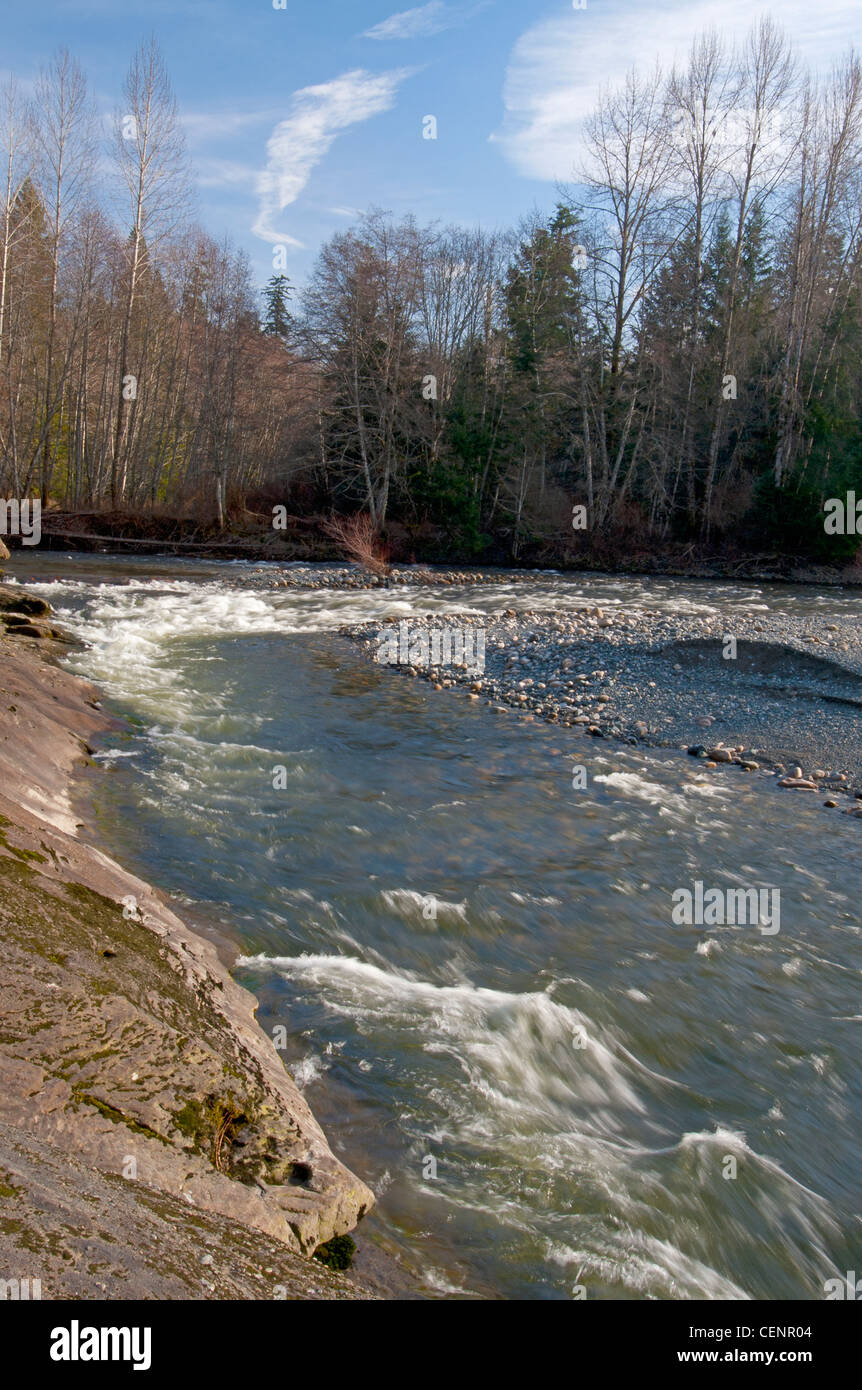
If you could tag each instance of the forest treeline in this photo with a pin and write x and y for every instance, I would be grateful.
(672, 356)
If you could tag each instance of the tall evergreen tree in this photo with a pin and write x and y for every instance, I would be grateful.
(277, 320)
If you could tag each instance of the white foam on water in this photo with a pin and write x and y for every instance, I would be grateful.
(651, 1268)
(525, 1099)
(308, 1070)
(131, 629)
(709, 947)
(433, 1279)
(409, 903)
(530, 1058)
(667, 801)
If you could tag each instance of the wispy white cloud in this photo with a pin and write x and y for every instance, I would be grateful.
(424, 21)
(225, 173)
(558, 66)
(317, 116)
(201, 126)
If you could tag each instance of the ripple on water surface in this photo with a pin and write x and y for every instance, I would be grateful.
(486, 999)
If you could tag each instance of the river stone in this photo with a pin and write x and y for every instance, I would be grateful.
(14, 601)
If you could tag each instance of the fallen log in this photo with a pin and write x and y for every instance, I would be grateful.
(140, 540)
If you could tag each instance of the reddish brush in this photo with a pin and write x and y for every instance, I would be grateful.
(358, 538)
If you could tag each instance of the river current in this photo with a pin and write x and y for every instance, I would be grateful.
(555, 1091)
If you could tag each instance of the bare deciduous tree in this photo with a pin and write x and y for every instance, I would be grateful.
(150, 154)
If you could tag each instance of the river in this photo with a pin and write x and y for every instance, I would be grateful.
(554, 1090)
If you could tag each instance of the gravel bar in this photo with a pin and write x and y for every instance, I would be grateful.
(783, 697)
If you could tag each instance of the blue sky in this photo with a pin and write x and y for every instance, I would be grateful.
(299, 118)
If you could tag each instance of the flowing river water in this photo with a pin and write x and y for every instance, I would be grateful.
(546, 1082)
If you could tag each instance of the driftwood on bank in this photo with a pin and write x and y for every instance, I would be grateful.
(161, 542)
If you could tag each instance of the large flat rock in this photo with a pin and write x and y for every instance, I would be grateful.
(126, 1047)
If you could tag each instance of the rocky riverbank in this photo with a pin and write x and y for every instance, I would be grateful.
(152, 1144)
(334, 576)
(353, 577)
(774, 695)
(307, 544)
